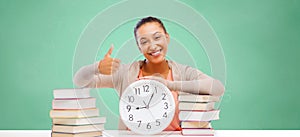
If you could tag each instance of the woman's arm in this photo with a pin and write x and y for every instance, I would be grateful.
(203, 86)
(89, 76)
(99, 74)
(206, 85)
(196, 82)
(193, 81)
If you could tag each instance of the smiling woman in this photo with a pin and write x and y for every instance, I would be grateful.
(152, 40)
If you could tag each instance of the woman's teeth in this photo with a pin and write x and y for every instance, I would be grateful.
(155, 53)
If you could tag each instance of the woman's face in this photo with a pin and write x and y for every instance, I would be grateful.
(152, 42)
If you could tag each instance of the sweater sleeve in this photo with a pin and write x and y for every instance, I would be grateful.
(89, 76)
(196, 82)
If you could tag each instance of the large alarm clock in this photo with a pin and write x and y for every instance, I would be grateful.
(147, 107)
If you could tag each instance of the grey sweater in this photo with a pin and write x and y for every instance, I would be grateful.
(194, 80)
(186, 79)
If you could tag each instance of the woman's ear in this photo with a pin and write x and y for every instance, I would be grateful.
(168, 38)
(137, 44)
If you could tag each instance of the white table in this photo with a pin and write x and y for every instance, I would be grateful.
(123, 133)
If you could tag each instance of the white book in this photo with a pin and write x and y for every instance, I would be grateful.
(195, 124)
(198, 98)
(85, 134)
(196, 106)
(183, 93)
(199, 115)
(76, 113)
(79, 121)
(77, 129)
(198, 132)
(72, 93)
(75, 103)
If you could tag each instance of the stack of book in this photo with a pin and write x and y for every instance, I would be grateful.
(74, 114)
(195, 114)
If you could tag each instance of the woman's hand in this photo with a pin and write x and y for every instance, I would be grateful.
(159, 79)
(108, 65)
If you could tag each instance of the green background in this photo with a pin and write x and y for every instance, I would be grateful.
(260, 40)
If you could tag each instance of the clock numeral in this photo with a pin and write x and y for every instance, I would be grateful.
(128, 107)
(157, 122)
(148, 126)
(155, 89)
(137, 91)
(139, 123)
(166, 105)
(164, 96)
(131, 99)
(165, 115)
(130, 117)
(146, 88)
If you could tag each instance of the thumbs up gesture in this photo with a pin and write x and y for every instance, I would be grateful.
(108, 65)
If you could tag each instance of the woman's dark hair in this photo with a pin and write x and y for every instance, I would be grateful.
(148, 20)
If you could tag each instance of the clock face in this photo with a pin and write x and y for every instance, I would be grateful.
(147, 107)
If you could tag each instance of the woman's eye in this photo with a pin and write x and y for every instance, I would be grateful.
(157, 37)
(144, 42)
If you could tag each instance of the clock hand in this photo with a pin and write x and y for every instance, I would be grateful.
(150, 99)
(151, 114)
(144, 102)
(140, 108)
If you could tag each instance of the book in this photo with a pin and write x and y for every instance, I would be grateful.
(198, 132)
(188, 93)
(77, 129)
(72, 93)
(84, 134)
(79, 113)
(198, 98)
(199, 115)
(79, 121)
(196, 106)
(75, 103)
(195, 124)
